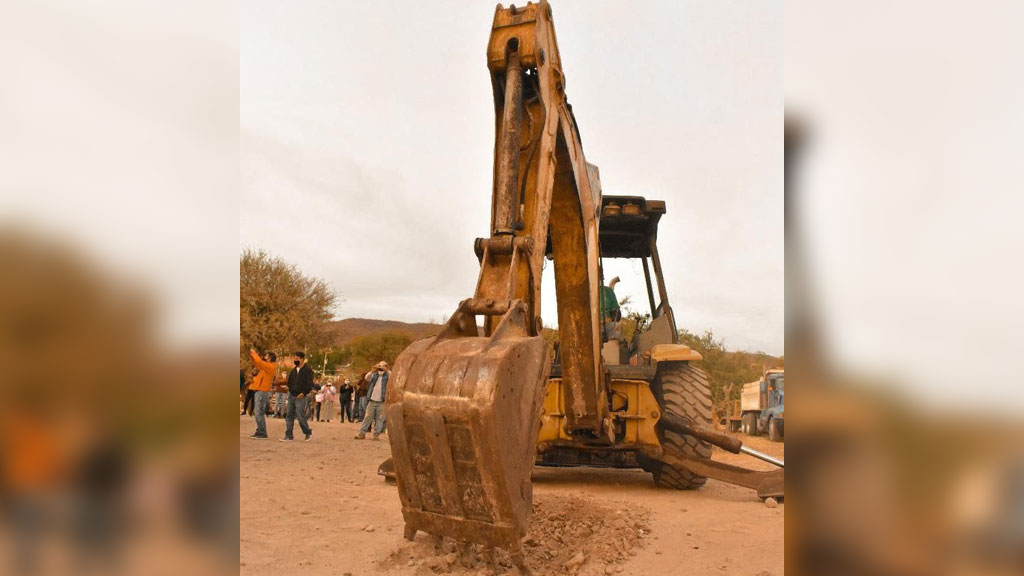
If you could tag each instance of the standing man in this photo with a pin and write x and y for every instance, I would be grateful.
(250, 395)
(360, 406)
(376, 392)
(319, 397)
(311, 397)
(330, 396)
(300, 384)
(261, 383)
(610, 313)
(345, 393)
(281, 394)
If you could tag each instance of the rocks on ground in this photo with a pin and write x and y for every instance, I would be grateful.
(577, 536)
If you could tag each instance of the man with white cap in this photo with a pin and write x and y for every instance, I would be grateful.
(376, 392)
(345, 394)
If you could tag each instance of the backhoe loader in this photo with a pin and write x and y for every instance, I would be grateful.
(471, 410)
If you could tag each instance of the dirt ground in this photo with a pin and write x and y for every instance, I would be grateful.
(319, 508)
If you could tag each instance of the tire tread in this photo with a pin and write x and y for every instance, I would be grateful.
(683, 391)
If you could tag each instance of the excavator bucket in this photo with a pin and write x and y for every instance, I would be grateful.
(463, 416)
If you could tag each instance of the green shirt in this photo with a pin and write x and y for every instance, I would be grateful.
(609, 303)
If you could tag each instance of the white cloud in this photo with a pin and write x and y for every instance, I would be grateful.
(367, 138)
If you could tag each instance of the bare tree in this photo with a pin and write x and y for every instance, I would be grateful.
(280, 309)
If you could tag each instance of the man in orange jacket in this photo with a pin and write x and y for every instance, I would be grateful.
(261, 385)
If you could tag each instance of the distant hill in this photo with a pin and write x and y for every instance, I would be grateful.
(343, 331)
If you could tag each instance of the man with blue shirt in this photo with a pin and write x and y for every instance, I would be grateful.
(376, 392)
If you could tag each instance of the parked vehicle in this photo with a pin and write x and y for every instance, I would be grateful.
(762, 406)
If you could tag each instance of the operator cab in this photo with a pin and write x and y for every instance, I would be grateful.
(776, 388)
(628, 233)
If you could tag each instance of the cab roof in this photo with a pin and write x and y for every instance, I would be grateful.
(626, 226)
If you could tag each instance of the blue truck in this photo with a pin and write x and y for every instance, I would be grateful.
(762, 406)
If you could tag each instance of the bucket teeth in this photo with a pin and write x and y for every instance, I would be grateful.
(463, 415)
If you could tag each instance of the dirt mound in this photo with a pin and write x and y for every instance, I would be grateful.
(575, 535)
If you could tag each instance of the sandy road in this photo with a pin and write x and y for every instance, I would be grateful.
(305, 507)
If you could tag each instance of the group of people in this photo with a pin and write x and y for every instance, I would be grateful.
(300, 395)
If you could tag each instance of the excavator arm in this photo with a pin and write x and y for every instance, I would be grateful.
(464, 406)
(542, 185)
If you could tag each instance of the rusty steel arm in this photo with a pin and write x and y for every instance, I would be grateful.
(771, 483)
(720, 439)
(542, 183)
(464, 408)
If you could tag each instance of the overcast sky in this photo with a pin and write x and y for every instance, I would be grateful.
(367, 135)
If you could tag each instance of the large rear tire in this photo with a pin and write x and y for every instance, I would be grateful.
(750, 424)
(682, 390)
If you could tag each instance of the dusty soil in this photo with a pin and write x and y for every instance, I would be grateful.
(319, 508)
(568, 533)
